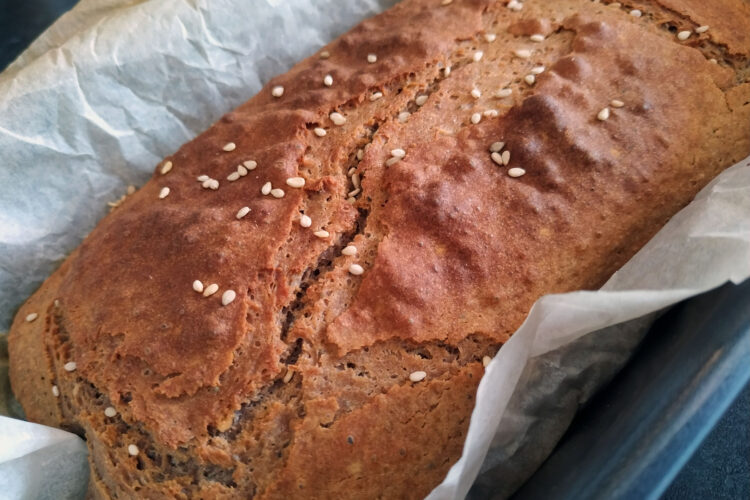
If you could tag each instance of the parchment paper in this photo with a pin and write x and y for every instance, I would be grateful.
(116, 85)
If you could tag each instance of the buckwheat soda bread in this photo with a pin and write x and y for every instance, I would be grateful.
(299, 302)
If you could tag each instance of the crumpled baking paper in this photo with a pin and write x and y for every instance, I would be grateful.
(115, 85)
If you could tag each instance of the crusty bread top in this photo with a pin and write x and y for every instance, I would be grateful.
(452, 247)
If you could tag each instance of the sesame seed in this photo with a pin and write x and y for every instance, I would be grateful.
(110, 412)
(230, 146)
(360, 154)
(683, 35)
(603, 114)
(420, 100)
(277, 91)
(288, 376)
(505, 156)
(210, 290)
(417, 376)
(321, 233)
(132, 450)
(277, 193)
(207, 183)
(490, 37)
(713, 60)
(166, 167)
(403, 116)
(198, 286)
(356, 269)
(398, 153)
(701, 29)
(213, 184)
(636, 13)
(131, 189)
(320, 132)
(476, 93)
(31, 317)
(375, 96)
(538, 37)
(506, 92)
(497, 157)
(446, 2)
(477, 56)
(496, 147)
(70, 366)
(55, 391)
(328, 80)
(233, 176)
(476, 118)
(515, 5)
(163, 193)
(616, 103)
(349, 250)
(446, 71)
(305, 221)
(516, 172)
(522, 53)
(337, 118)
(491, 113)
(351, 200)
(242, 212)
(529, 79)
(351, 171)
(228, 297)
(537, 70)
(295, 182)
(371, 58)
(354, 192)
(266, 188)
(615, 5)
(390, 161)
(486, 361)
(203, 178)
(325, 54)
(250, 164)
(355, 180)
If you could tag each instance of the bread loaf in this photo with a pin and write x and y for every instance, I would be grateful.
(299, 302)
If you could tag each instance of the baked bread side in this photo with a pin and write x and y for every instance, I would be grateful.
(376, 221)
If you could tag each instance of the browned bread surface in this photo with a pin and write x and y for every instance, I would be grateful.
(300, 387)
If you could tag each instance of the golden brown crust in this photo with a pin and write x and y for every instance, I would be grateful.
(245, 399)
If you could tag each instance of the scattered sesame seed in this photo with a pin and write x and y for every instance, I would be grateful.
(502, 93)
(515, 5)
(321, 233)
(522, 53)
(328, 80)
(371, 58)
(354, 192)
(207, 183)
(351, 171)
(477, 56)
(491, 113)
(713, 60)
(476, 118)
(375, 96)
(538, 37)
(305, 221)
(497, 157)
(403, 116)
(337, 118)
(356, 269)
(476, 93)
(516, 172)
(210, 290)
(203, 178)
(446, 2)
(420, 100)
(31, 317)
(242, 212)
(288, 376)
(355, 180)
(398, 153)
(360, 154)
(537, 70)
(496, 147)
(233, 176)
(295, 182)
(132, 450)
(277, 193)
(505, 156)
(701, 29)
(131, 189)
(417, 376)
(486, 361)
(446, 71)
(325, 54)
(616, 103)
(529, 79)
(390, 161)
(228, 297)
(70, 366)
(250, 164)
(351, 200)
(490, 37)
(110, 412)
(349, 250)
(277, 91)
(636, 13)
(603, 114)
(683, 35)
(163, 193)
(266, 188)
(55, 391)
(213, 184)
(198, 286)
(166, 167)
(230, 146)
